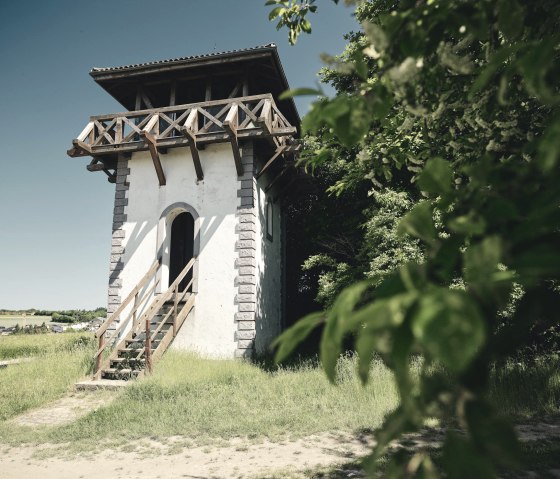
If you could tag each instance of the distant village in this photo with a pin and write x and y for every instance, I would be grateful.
(54, 321)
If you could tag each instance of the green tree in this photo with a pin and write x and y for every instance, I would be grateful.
(464, 97)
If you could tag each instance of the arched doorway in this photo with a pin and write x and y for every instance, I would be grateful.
(181, 248)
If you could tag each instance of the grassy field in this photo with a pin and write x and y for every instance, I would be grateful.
(8, 321)
(26, 345)
(59, 360)
(208, 400)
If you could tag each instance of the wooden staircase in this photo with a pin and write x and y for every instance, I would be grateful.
(143, 336)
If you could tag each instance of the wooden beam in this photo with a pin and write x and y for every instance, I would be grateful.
(151, 124)
(151, 142)
(208, 94)
(95, 166)
(173, 93)
(176, 142)
(189, 131)
(265, 117)
(230, 125)
(111, 177)
(246, 83)
(83, 147)
(145, 98)
(235, 90)
(277, 154)
(138, 104)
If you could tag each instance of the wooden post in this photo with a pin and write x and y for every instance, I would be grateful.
(230, 125)
(175, 300)
(99, 356)
(148, 346)
(119, 131)
(135, 308)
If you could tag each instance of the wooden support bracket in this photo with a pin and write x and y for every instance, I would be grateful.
(189, 131)
(111, 177)
(279, 152)
(151, 142)
(95, 166)
(82, 148)
(230, 125)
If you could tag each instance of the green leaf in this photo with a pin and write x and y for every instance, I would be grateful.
(510, 18)
(470, 224)
(300, 92)
(436, 177)
(403, 341)
(360, 66)
(276, 12)
(292, 337)
(338, 325)
(413, 276)
(481, 260)
(376, 36)
(462, 460)
(497, 60)
(419, 223)
(375, 319)
(449, 325)
(549, 147)
(394, 425)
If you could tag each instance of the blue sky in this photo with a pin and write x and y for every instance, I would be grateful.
(55, 217)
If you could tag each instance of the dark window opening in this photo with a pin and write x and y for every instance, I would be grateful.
(182, 248)
(269, 220)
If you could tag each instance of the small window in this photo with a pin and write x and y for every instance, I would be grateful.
(269, 219)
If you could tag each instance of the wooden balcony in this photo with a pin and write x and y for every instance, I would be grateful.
(191, 125)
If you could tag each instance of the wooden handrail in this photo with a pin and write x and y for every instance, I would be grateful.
(114, 316)
(156, 306)
(100, 333)
(202, 104)
(123, 323)
(145, 319)
(177, 126)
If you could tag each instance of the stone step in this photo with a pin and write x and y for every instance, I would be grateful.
(131, 361)
(113, 373)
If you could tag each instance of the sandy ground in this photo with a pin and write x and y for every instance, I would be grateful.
(237, 460)
(177, 458)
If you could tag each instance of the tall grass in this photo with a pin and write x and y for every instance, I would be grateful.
(26, 345)
(527, 387)
(204, 400)
(31, 384)
(200, 398)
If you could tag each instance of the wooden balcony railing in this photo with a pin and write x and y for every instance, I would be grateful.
(189, 125)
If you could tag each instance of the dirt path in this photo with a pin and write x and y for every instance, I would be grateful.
(237, 460)
(177, 458)
(65, 410)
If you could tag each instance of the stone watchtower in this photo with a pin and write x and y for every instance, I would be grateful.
(199, 159)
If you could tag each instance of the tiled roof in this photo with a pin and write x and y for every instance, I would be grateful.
(182, 59)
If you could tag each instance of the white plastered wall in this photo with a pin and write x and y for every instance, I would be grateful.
(268, 254)
(210, 330)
